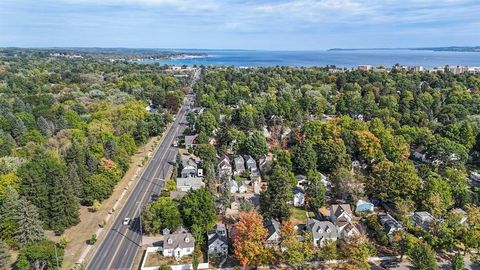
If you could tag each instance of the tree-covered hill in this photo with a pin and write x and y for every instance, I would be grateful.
(68, 127)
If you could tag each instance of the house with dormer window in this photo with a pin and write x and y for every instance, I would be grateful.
(178, 244)
(321, 231)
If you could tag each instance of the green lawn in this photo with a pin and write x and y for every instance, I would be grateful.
(299, 215)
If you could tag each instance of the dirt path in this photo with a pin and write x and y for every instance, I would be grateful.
(89, 224)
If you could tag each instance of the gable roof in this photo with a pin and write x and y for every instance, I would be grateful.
(390, 223)
(178, 240)
(217, 237)
(250, 160)
(272, 226)
(224, 161)
(339, 209)
(239, 162)
(321, 229)
(190, 139)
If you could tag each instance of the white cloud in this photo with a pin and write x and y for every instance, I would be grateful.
(359, 12)
(179, 4)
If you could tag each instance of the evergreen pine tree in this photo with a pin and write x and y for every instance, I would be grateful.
(63, 205)
(45, 184)
(75, 180)
(29, 228)
(76, 154)
(44, 127)
(8, 209)
(274, 202)
(4, 256)
(18, 129)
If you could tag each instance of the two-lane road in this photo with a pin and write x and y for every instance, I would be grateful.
(120, 246)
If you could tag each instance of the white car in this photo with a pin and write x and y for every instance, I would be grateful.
(126, 221)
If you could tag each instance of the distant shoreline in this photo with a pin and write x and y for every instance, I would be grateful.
(435, 49)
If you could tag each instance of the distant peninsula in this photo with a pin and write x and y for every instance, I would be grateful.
(436, 49)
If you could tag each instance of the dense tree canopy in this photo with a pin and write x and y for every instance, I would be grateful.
(197, 210)
(68, 127)
(161, 214)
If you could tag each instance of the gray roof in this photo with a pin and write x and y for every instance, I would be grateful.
(272, 226)
(423, 219)
(189, 161)
(390, 223)
(178, 240)
(215, 236)
(339, 209)
(300, 177)
(249, 159)
(190, 139)
(239, 163)
(193, 182)
(321, 229)
(424, 216)
(297, 190)
(220, 233)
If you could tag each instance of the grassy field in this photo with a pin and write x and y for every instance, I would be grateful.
(156, 259)
(299, 215)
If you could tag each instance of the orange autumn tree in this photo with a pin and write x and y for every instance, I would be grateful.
(249, 240)
(368, 146)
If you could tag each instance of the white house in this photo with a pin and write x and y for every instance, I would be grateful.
(341, 215)
(251, 165)
(239, 165)
(321, 231)
(235, 188)
(178, 244)
(298, 197)
(190, 166)
(224, 167)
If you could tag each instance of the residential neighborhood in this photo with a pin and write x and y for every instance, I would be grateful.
(239, 182)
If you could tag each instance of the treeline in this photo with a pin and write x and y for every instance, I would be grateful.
(68, 129)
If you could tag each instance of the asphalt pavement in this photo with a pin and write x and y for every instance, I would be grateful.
(118, 249)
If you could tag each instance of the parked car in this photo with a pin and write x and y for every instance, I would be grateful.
(390, 264)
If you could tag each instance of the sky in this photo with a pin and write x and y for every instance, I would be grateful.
(236, 24)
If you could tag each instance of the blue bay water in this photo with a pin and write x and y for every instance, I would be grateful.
(387, 58)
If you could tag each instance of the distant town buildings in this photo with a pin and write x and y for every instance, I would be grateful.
(452, 69)
(365, 67)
